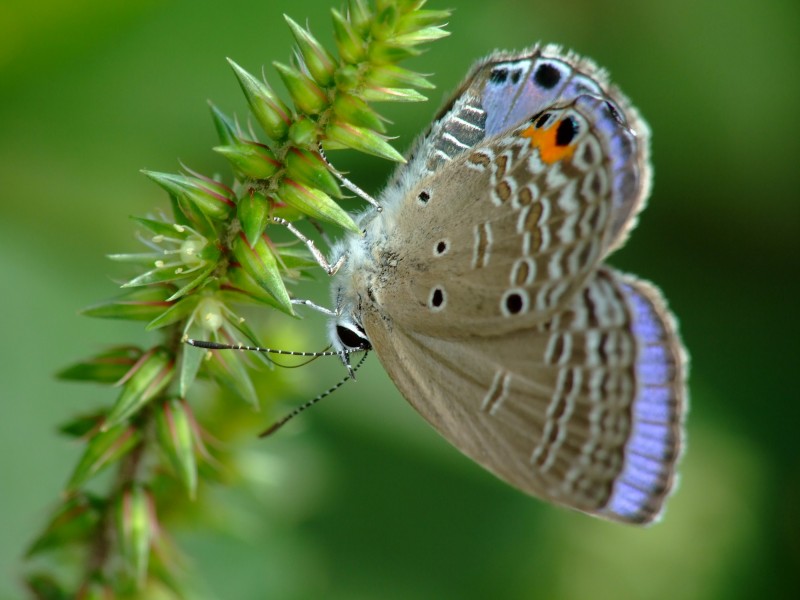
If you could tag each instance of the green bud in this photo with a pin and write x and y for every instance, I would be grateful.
(191, 358)
(308, 167)
(394, 76)
(74, 520)
(253, 213)
(319, 62)
(241, 287)
(420, 19)
(225, 126)
(360, 16)
(251, 159)
(104, 448)
(139, 304)
(43, 586)
(260, 262)
(385, 20)
(95, 590)
(210, 197)
(176, 436)
(303, 132)
(81, 426)
(348, 78)
(267, 107)
(177, 312)
(389, 52)
(363, 140)
(315, 203)
(351, 46)
(379, 94)
(108, 366)
(420, 36)
(151, 375)
(353, 110)
(306, 94)
(136, 529)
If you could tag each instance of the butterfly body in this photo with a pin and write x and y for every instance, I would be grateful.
(481, 287)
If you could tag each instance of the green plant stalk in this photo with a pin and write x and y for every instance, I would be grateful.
(214, 253)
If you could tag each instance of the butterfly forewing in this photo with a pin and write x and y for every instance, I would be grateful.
(583, 410)
(507, 231)
(506, 89)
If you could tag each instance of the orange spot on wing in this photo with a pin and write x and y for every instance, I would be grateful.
(545, 141)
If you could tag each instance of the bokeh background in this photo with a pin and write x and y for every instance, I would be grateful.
(361, 499)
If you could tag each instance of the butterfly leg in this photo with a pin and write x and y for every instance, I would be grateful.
(315, 252)
(317, 307)
(349, 185)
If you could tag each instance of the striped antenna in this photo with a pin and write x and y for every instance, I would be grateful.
(219, 346)
(280, 423)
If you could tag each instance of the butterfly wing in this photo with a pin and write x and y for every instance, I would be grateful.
(584, 410)
(501, 237)
(506, 89)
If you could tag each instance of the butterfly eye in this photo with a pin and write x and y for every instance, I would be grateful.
(352, 339)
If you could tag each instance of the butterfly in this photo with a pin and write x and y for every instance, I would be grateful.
(482, 288)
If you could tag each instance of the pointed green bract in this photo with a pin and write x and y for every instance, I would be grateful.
(104, 448)
(135, 530)
(226, 128)
(308, 168)
(420, 19)
(176, 436)
(177, 312)
(190, 358)
(146, 380)
(352, 109)
(44, 586)
(351, 47)
(307, 95)
(81, 426)
(420, 36)
(73, 521)
(304, 132)
(273, 115)
(391, 53)
(251, 159)
(242, 287)
(393, 76)
(315, 203)
(363, 140)
(260, 262)
(253, 213)
(140, 304)
(209, 199)
(384, 94)
(360, 16)
(108, 366)
(319, 62)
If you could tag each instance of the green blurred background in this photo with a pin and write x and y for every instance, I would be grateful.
(361, 499)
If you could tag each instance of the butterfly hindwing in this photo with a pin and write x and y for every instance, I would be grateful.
(584, 410)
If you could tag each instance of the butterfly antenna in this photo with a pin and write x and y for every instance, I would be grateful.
(220, 346)
(278, 424)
